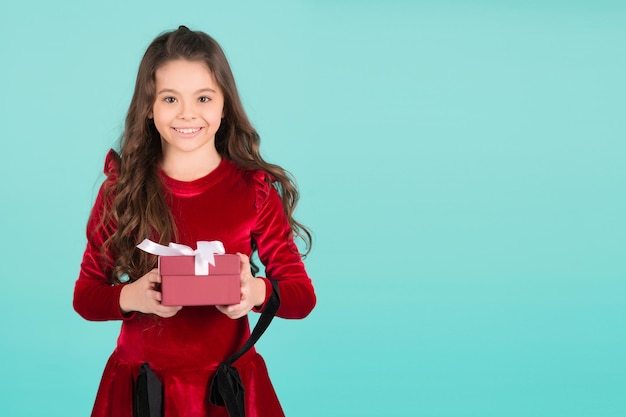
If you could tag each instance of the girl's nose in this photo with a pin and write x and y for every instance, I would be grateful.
(186, 115)
(186, 112)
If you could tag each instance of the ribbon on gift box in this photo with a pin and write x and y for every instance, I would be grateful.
(204, 255)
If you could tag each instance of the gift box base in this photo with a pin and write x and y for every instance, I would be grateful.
(190, 290)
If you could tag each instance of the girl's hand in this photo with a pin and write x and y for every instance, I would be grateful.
(252, 292)
(142, 296)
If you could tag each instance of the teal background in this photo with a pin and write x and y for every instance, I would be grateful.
(461, 164)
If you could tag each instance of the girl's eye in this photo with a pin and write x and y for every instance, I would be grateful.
(204, 99)
(169, 100)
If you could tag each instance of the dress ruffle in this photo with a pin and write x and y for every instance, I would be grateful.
(186, 391)
(262, 183)
(112, 163)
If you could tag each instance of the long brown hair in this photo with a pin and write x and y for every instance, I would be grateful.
(137, 205)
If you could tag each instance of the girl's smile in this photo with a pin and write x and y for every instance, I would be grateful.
(187, 132)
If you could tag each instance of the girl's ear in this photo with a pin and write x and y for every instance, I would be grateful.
(150, 115)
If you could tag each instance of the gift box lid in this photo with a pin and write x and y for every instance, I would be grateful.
(185, 265)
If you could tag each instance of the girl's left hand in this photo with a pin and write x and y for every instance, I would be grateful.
(252, 292)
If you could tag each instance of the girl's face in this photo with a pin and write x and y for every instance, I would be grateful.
(188, 108)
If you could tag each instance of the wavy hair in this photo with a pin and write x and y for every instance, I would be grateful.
(137, 204)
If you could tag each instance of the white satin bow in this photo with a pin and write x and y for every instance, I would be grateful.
(204, 255)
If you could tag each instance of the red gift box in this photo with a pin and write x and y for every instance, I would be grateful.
(181, 287)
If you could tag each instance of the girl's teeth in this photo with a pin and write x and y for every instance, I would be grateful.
(187, 130)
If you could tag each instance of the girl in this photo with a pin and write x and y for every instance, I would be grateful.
(189, 170)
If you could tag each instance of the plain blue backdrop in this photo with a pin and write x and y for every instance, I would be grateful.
(461, 163)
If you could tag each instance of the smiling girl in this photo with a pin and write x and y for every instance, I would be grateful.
(189, 170)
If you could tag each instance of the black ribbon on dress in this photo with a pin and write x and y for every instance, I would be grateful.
(226, 386)
(227, 390)
(148, 393)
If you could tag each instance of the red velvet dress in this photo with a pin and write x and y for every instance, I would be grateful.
(234, 206)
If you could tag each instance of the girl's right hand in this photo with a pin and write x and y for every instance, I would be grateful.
(142, 296)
